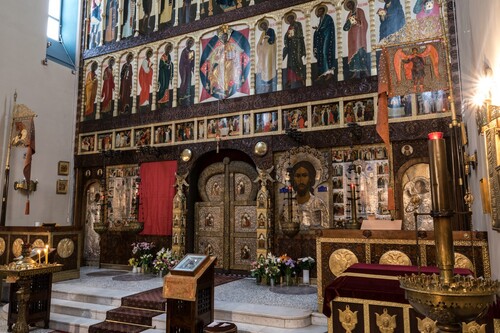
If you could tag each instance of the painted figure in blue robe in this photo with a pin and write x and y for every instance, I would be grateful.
(392, 18)
(226, 4)
(324, 43)
(95, 24)
(165, 75)
(185, 16)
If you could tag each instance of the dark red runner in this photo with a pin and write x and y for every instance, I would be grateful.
(141, 308)
(382, 288)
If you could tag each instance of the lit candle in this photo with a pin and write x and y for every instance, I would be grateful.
(38, 251)
(46, 251)
(442, 209)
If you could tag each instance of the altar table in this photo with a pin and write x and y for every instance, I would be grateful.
(368, 293)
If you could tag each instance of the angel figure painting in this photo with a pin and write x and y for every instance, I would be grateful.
(418, 68)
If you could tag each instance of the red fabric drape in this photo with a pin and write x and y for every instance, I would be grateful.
(156, 197)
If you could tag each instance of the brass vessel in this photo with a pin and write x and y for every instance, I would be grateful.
(447, 299)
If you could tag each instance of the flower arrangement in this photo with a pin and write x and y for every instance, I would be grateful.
(271, 264)
(306, 263)
(146, 259)
(273, 272)
(287, 265)
(133, 262)
(258, 268)
(165, 260)
(140, 248)
(142, 253)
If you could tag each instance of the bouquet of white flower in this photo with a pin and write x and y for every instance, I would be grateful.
(306, 263)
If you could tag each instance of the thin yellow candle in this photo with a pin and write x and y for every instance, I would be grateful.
(46, 254)
(39, 251)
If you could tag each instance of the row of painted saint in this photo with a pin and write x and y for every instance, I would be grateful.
(222, 69)
(114, 20)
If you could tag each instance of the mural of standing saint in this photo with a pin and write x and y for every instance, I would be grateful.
(126, 75)
(294, 50)
(165, 75)
(392, 18)
(356, 26)
(225, 64)
(145, 78)
(324, 43)
(166, 10)
(265, 70)
(128, 18)
(95, 24)
(426, 8)
(108, 88)
(111, 20)
(90, 91)
(186, 71)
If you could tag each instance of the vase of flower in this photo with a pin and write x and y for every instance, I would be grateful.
(306, 264)
(272, 281)
(134, 269)
(305, 276)
(145, 269)
(288, 280)
(258, 279)
(264, 280)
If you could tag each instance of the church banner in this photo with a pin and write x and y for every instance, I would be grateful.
(414, 68)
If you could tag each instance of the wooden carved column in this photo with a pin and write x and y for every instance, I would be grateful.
(179, 217)
(154, 84)
(264, 209)
(340, 42)
(373, 39)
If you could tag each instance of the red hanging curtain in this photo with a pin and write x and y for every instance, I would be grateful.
(156, 197)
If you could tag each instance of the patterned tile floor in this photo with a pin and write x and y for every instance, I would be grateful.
(236, 291)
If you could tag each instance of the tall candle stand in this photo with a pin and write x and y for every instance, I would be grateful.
(353, 222)
(447, 299)
(290, 223)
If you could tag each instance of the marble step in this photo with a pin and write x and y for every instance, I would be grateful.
(101, 296)
(80, 309)
(265, 315)
(73, 324)
(92, 304)
(250, 328)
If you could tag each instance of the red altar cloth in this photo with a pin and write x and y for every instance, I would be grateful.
(374, 282)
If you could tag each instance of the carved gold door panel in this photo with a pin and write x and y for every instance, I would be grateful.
(225, 223)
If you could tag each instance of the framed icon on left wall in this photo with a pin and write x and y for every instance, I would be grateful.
(62, 186)
(63, 168)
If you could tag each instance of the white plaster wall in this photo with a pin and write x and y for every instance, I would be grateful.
(478, 31)
(51, 92)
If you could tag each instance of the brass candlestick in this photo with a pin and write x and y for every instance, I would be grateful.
(447, 299)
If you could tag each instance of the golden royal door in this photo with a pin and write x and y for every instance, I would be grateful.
(225, 218)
